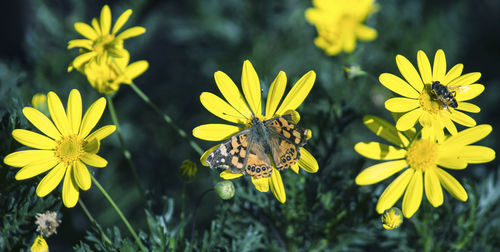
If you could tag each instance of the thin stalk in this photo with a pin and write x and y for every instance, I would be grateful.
(94, 222)
(193, 226)
(126, 152)
(119, 212)
(167, 119)
(183, 208)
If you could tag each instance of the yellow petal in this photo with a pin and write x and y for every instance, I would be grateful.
(203, 158)
(462, 118)
(41, 122)
(465, 79)
(394, 191)
(261, 184)
(413, 195)
(131, 32)
(37, 167)
(408, 120)
(58, 114)
(398, 85)
(439, 69)
(432, 187)
(426, 120)
(449, 125)
(135, 69)
(74, 112)
(34, 140)
(81, 175)
(220, 108)
(298, 93)
(385, 130)
(468, 136)
(251, 88)
(102, 132)
(70, 191)
(85, 30)
(451, 160)
(468, 107)
(424, 66)
(453, 74)
(105, 19)
(277, 187)
(379, 151)
(295, 168)
(92, 145)
(275, 94)
(231, 93)
(349, 41)
(51, 180)
(307, 161)
(96, 26)
(472, 92)
(477, 154)
(93, 160)
(215, 132)
(409, 73)
(451, 185)
(84, 43)
(25, 157)
(400, 104)
(227, 174)
(82, 59)
(92, 117)
(379, 172)
(365, 33)
(121, 21)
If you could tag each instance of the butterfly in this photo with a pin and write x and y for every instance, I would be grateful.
(247, 152)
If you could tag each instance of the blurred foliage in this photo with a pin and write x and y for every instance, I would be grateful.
(185, 43)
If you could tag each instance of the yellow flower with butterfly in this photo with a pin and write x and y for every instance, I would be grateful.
(261, 144)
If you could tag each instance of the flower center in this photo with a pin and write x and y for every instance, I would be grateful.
(104, 43)
(429, 103)
(69, 149)
(422, 154)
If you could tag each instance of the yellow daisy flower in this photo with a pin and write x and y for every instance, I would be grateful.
(240, 109)
(107, 75)
(65, 148)
(39, 245)
(340, 23)
(420, 102)
(421, 160)
(99, 43)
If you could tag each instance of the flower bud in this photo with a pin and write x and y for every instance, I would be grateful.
(225, 189)
(392, 218)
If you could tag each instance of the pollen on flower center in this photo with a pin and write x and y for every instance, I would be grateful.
(69, 149)
(422, 154)
(428, 103)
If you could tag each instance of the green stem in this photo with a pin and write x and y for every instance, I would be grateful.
(94, 222)
(117, 209)
(183, 208)
(126, 152)
(167, 119)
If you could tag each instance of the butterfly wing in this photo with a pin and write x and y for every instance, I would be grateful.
(285, 141)
(231, 154)
(242, 153)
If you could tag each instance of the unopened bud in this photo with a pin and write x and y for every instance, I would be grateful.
(225, 189)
